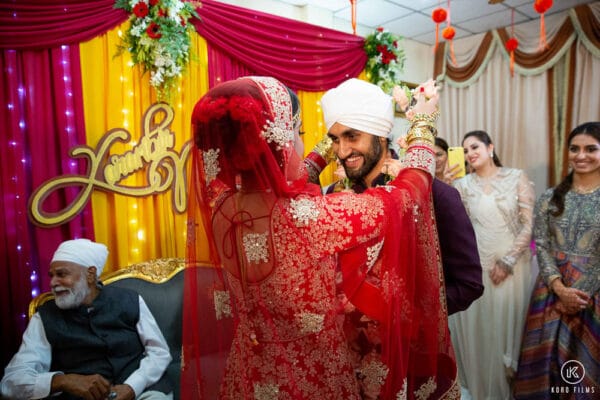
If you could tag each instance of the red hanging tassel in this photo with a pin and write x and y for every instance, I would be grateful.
(511, 45)
(438, 16)
(541, 6)
(448, 33)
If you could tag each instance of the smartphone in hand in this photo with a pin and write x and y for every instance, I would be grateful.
(456, 155)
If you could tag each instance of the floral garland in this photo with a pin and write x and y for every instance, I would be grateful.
(386, 59)
(158, 39)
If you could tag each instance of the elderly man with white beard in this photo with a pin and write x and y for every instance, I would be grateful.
(91, 342)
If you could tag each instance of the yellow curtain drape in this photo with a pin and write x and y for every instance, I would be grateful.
(116, 95)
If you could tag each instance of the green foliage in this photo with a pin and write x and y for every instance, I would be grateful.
(158, 39)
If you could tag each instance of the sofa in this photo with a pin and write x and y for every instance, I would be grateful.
(160, 283)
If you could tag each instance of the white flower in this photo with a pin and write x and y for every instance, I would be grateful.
(156, 78)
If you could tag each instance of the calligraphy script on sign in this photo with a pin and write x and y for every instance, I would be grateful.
(154, 153)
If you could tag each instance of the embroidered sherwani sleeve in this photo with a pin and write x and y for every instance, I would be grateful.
(525, 201)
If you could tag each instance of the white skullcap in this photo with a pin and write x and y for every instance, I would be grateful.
(359, 105)
(83, 252)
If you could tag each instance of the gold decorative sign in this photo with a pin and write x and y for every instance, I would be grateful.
(154, 153)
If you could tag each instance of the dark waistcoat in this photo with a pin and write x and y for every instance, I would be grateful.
(97, 339)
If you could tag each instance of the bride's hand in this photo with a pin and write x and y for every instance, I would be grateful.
(426, 96)
(391, 167)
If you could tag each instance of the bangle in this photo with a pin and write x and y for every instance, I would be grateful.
(430, 118)
(421, 131)
(324, 149)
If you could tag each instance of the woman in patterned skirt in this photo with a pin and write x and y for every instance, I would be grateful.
(561, 346)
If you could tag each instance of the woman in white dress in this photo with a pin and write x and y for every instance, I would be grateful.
(487, 336)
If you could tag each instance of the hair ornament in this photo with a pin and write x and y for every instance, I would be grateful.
(211, 164)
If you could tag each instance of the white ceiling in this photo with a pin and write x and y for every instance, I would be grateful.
(412, 18)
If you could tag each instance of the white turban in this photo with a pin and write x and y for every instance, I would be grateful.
(83, 252)
(359, 105)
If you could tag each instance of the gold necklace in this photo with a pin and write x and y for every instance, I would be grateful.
(585, 189)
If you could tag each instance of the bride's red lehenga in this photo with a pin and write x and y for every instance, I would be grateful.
(263, 323)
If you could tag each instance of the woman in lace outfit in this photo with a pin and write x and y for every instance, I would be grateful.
(487, 335)
(563, 324)
(262, 325)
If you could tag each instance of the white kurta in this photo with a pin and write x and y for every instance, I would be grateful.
(487, 336)
(28, 375)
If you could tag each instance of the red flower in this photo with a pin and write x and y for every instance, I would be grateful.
(153, 2)
(380, 29)
(162, 13)
(153, 31)
(140, 9)
(511, 44)
(541, 6)
(448, 33)
(439, 15)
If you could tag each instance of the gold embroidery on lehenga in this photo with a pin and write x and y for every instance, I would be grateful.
(426, 389)
(255, 247)
(373, 254)
(420, 158)
(401, 395)
(303, 211)
(375, 373)
(222, 304)
(310, 323)
(266, 392)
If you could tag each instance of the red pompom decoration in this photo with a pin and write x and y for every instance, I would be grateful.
(439, 15)
(448, 33)
(511, 44)
(541, 6)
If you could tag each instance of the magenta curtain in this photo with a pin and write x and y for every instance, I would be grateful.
(303, 56)
(42, 118)
(39, 24)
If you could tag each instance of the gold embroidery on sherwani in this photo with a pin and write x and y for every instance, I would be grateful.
(310, 323)
(255, 247)
(222, 304)
(265, 392)
(426, 389)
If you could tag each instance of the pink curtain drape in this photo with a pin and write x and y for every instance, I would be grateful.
(303, 56)
(41, 120)
(39, 24)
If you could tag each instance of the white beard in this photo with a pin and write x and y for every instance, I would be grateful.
(76, 294)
